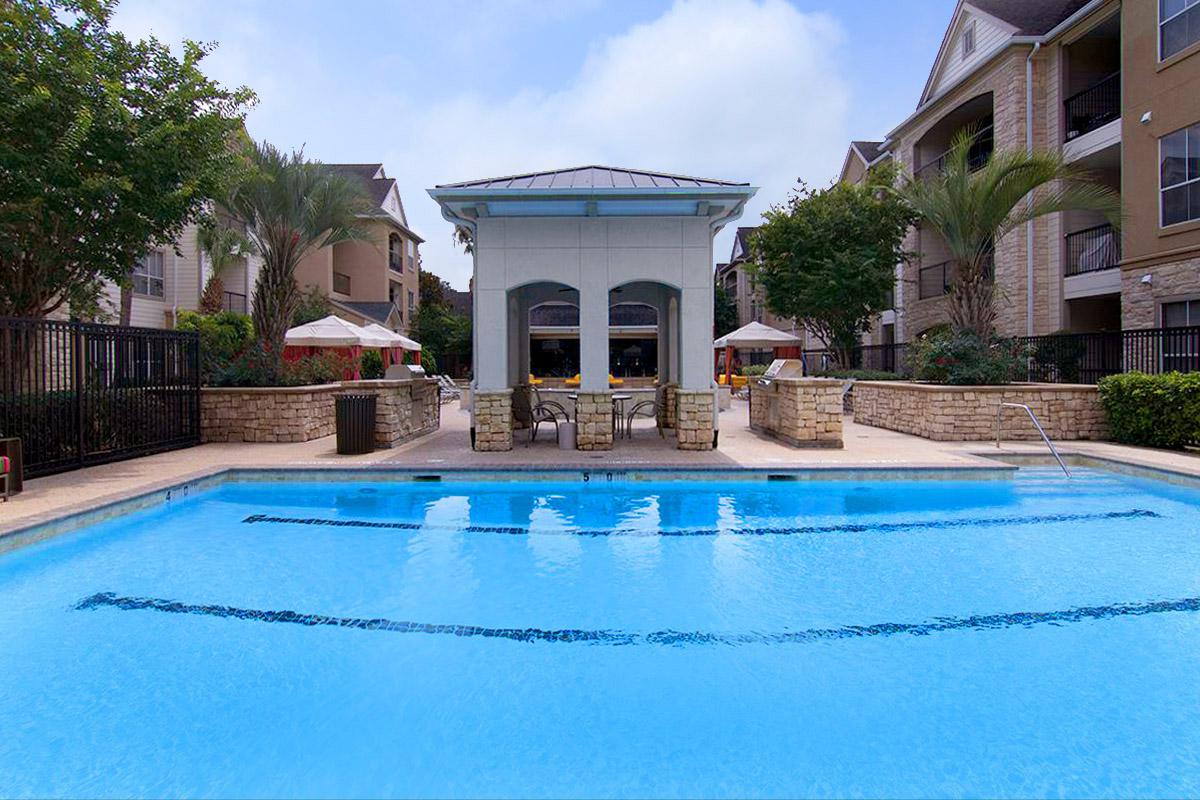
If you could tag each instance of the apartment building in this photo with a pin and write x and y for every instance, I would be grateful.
(367, 279)
(1115, 87)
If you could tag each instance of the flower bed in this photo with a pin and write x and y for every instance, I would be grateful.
(968, 413)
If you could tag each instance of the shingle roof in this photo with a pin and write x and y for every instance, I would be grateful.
(743, 241)
(377, 188)
(377, 311)
(870, 150)
(1030, 17)
(591, 177)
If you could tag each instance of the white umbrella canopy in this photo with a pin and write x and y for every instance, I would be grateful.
(394, 339)
(755, 334)
(332, 331)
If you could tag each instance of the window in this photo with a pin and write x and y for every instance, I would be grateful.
(412, 303)
(148, 275)
(1178, 26)
(1181, 314)
(395, 253)
(341, 283)
(411, 248)
(1179, 175)
(968, 39)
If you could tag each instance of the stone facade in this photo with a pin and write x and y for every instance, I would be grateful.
(594, 421)
(1141, 302)
(968, 413)
(695, 421)
(668, 409)
(404, 410)
(804, 412)
(283, 414)
(493, 420)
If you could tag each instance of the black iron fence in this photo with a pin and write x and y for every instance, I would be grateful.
(1092, 250)
(1058, 358)
(234, 301)
(79, 394)
(1094, 107)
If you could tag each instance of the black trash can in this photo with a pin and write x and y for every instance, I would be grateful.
(355, 414)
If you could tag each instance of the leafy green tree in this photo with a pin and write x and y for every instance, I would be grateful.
(725, 315)
(107, 147)
(973, 209)
(444, 335)
(223, 244)
(827, 258)
(432, 289)
(291, 207)
(313, 305)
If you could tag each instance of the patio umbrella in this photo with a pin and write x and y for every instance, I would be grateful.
(394, 341)
(331, 331)
(753, 335)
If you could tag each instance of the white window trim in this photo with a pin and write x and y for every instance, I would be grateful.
(1186, 182)
(162, 279)
(1162, 22)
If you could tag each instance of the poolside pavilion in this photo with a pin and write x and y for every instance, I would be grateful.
(593, 237)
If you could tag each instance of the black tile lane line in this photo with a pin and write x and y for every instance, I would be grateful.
(670, 638)
(850, 527)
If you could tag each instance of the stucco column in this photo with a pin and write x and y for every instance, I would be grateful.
(664, 348)
(523, 345)
(673, 339)
(695, 338)
(593, 333)
(491, 341)
(513, 355)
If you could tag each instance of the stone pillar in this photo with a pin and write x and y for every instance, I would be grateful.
(593, 417)
(696, 417)
(493, 420)
(668, 409)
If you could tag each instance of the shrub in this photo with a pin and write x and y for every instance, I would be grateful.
(313, 304)
(255, 367)
(963, 359)
(371, 365)
(1153, 410)
(754, 370)
(859, 375)
(223, 337)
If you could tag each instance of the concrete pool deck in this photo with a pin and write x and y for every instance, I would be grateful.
(868, 448)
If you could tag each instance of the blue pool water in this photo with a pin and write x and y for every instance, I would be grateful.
(721, 638)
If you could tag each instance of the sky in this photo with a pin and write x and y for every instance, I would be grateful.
(765, 91)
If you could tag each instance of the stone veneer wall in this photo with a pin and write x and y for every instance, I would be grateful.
(404, 410)
(270, 414)
(493, 420)
(809, 411)
(594, 422)
(668, 409)
(968, 413)
(695, 419)
(1140, 301)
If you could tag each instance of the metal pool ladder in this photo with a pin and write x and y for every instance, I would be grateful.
(1000, 409)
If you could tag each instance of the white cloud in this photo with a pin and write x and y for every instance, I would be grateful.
(737, 89)
(734, 89)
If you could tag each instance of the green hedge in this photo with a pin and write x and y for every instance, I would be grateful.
(1153, 410)
(859, 375)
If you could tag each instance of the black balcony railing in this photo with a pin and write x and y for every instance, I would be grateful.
(1094, 107)
(981, 150)
(232, 301)
(396, 262)
(1092, 250)
(936, 280)
(1058, 358)
(77, 394)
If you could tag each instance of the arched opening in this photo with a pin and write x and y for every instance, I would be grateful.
(929, 153)
(640, 333)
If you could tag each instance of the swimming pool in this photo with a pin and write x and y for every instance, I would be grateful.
(1031, 636)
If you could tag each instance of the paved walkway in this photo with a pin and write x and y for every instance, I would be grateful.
(865, 447)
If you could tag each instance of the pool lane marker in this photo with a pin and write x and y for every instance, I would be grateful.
(670, 638)
(852, 527)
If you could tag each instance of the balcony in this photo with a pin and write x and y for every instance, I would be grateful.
(232, 301)
(1093, 108)
(981, 150)
(395, 262)
(1092, 250)
(936, 280)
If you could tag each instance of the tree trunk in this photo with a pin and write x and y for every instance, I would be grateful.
(127, 299)
(972, 306)
(275, 298)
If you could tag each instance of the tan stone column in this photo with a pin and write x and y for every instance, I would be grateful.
(694, 425)
(593, 415)
(493, 420)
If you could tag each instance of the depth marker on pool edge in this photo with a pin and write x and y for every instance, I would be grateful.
(665, 637)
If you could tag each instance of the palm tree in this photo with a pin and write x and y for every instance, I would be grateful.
(291, 207)
(974, 208)
(223, 245)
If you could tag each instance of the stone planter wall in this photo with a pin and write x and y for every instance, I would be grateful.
(492, 416)
(803, 412)
(404, 410)
(283, 414)
(694, 424)
(593, 415)
(968, 413)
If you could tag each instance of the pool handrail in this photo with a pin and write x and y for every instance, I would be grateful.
(1000, 410)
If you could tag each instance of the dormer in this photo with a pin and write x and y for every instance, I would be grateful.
(973, 37)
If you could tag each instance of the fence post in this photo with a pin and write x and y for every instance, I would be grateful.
(77, 380)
